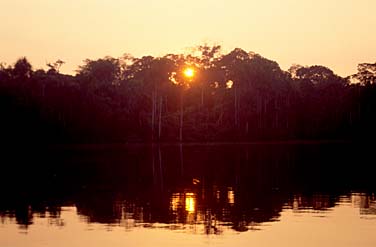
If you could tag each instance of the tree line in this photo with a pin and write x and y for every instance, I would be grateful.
(236, 96)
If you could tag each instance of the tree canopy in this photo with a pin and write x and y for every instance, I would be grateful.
(238, 96)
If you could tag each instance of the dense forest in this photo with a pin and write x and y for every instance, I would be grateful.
(202, 96)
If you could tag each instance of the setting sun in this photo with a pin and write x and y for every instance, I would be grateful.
(189, 72)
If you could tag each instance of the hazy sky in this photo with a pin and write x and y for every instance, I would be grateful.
(335, 33)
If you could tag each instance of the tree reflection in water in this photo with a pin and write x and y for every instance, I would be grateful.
(198, 188)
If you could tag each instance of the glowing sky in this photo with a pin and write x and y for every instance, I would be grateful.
(335, 33)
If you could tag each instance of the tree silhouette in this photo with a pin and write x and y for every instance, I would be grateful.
(238, 96)
(366, 73)
(22, 69)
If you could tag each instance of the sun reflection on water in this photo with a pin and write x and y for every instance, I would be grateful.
(190, 202)
(185, 200)
(231, 196)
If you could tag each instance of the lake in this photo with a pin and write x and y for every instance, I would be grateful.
(271, 194)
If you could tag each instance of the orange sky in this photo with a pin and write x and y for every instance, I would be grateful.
(334, 33)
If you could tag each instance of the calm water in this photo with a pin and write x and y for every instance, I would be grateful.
(189, 195)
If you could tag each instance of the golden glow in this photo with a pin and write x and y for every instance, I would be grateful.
(229, 84)
(187, 200)
(189, 72)
(190, 202)
(230, 196)
(172, 78)
(175, 201)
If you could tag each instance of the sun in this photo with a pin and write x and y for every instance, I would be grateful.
(189, 72)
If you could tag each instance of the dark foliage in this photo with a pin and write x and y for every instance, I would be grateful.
(239, 96)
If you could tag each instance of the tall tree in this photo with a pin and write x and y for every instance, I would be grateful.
(366, 74)
(22, 68)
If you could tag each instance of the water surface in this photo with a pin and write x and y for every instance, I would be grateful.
(189, 195)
